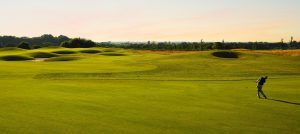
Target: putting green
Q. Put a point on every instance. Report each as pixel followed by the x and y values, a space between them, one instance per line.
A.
pixel 149 92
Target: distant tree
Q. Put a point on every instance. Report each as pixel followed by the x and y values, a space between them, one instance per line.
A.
pixel 48 38
pixel 217 45
pixel 65 44
pixel 78 43
pixel 292 43
pixel 44 40
pixel 47 44
pixel 24 45
pixel 62 38
pixel 153 45
pixel 254 45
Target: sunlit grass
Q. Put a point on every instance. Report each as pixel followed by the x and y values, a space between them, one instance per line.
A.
pixel 148 92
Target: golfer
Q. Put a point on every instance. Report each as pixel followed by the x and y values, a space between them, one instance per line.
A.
pixel 260 83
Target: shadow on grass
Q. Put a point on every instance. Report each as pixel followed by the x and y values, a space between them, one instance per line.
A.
pixel 283 101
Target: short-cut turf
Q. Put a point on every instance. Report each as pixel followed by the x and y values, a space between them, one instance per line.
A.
pixel 15 58
pixel 43 55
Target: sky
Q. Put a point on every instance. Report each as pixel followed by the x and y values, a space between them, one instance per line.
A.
pixel 155 20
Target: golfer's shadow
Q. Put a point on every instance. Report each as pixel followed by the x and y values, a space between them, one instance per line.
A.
pixel 283 101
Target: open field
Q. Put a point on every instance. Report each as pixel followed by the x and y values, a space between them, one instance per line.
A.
pixel 99 90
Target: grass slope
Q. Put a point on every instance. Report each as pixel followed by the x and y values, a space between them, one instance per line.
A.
pixel 15 58
pixel 90 51
pixel 43 55
pixel 179 93
pixel 65 58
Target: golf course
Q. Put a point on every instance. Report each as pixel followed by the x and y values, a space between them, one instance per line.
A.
pixel 118 91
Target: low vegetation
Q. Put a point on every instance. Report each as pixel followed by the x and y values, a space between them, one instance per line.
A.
pixel 10 49
pixel 65 58
pixel 114 54
pixel 43 55
pixel 16 58
pixel 90 51
pixel 281 52
pixel 36 47
pixel 226 54
pixel 24 45
pixel 64 52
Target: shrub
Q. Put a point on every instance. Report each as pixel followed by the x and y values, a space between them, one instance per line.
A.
pixel 36 47
pixel 64 52
pixel 24 45
pixel 78 43
pixel 90 51
pixel 16 58
pixel 226 54
pixel 43 55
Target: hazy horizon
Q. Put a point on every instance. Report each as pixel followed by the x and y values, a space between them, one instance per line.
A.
pixel 143 20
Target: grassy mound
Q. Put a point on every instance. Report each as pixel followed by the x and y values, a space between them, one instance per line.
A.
pixel 226 54
pixel 43 55
pixel 90 51
pixel 11 49
pixel 52 47
pixel 62 59
pixel 16 58
pixel 64 52
pixel 109 50
pixel 114 54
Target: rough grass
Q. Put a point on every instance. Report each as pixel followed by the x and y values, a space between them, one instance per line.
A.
pixel 282 52
pixel 62 59
pixel 226 54
pixel 43 55
pixel 64 52
pixel 16 58
pixel 90 51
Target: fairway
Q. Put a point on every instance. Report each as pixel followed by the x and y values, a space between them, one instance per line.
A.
pixel 118 91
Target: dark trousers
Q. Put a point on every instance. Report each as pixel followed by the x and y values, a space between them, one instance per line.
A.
pixel 260 91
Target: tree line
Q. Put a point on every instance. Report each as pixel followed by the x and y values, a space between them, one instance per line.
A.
pixel 202 46
pixel 42 41
pixel 47 40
